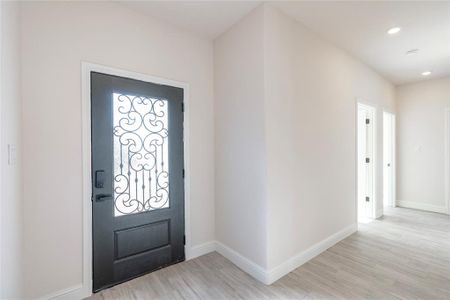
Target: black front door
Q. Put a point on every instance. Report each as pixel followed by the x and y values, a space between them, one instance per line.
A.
pixel 137 178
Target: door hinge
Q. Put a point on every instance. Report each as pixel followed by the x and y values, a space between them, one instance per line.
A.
pixel 367 199
pixel 367 160
pixel 367 121
pixel 183 173
pixel 184 239
pixel 182 106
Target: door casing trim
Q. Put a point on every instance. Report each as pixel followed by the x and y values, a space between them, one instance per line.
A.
pixel 86 69
pixel 447 160
pixel 360 103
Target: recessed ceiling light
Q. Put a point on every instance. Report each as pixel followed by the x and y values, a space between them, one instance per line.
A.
pixel 394 30
pixel 412 51
pixel 426 73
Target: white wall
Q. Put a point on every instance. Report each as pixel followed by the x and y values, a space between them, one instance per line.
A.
pixel 421 144
pixel 240 141
pixel 311 87
pixel 279 70
pixel 56 37
pixel 10 196
pixel 283 171
pixel 287 156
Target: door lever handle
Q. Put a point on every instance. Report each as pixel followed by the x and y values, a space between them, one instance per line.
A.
pixel 102 197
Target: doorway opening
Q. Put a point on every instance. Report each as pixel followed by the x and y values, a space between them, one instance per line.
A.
pixel 366 143
pixel 389 160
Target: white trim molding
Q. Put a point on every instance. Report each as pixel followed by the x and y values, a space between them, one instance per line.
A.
pixel 304 256
pixel 447 160
pixel 72 293
pixel 373 110
pixel 270 276
pixel 199 250
pixel 423 206
pixel 380 212
pixel 243 262
pixel 2 206
pixel 85 289
pixel 261 274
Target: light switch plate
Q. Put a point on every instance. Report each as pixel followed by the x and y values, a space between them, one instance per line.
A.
pixel 12 156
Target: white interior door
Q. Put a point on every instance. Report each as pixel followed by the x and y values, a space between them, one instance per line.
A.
pixel 366 162
pixel 388 159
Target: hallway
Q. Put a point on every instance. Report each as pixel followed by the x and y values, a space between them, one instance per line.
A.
pixel 404 255
pixel 154 149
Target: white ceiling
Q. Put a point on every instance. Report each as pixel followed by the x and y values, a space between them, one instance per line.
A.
pixel 358 27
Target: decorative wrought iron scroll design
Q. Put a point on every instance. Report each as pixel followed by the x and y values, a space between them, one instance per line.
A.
pixel 141 166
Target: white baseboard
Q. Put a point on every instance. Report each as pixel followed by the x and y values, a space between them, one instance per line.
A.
pixel 270 276
pixel 79 292
pixel 304 256
pixel 265 276
pixel 200 250
pixel 72 293
pixel 379 213
pixel 423 206
pixel 242 262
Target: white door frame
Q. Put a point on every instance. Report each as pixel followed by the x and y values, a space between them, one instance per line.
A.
pixel 1 144
pixel 393 167
pixel 447 160
pixel 86 69
pixel 373 112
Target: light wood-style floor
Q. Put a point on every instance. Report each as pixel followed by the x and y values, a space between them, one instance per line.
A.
pixel 404 255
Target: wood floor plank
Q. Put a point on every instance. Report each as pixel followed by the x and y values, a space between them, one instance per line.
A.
pixel 404 255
